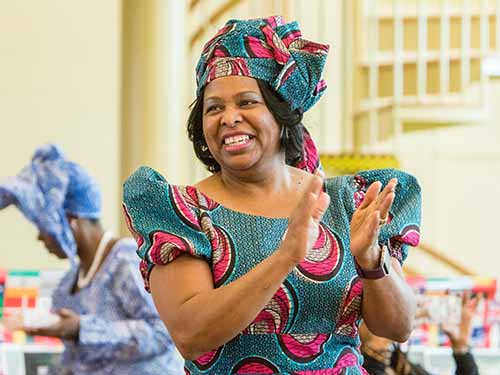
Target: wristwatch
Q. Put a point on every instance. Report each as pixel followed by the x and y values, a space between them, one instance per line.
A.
pixel 381 271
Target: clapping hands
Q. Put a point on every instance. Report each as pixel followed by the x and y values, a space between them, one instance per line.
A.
pixel 303 223
pixel 367 221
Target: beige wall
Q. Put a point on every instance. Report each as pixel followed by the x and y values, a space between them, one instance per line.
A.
pixel 59 82
pixel 459 170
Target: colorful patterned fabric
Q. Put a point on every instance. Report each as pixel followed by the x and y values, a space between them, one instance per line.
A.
pixel 275 52
pixel 50 188
pixel 310 325
pixel 120 330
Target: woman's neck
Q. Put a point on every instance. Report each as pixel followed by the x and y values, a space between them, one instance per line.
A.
pixel 250 184
pixel 87 246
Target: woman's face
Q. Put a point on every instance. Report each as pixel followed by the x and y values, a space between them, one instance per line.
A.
pixel 240 131
pixel 51 245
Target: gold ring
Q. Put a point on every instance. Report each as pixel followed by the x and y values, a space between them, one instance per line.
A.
pixel 382 221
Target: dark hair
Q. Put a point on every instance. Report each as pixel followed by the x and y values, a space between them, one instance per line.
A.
pixel 290 123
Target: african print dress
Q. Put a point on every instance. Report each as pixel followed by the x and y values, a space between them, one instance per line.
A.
pixel 310 324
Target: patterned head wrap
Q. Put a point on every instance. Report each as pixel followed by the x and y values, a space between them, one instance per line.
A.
pixel 275 52
pixel 50 188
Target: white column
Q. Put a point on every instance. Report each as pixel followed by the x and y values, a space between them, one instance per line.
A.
pixel 444 74
pixel 466 54
pixel 331 106
pixel 153 91
pixel 373 71
pixel 422 50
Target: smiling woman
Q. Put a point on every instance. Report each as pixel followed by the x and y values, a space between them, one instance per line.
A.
pixel 263 267
pixel 289 122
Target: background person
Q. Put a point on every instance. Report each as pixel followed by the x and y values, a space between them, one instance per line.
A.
pixel 107 321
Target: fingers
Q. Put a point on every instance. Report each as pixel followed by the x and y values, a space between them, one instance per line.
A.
pixel 449 331
pixel 315 202
pixel 386 205
pixel 65 313
pixel 371 194
pixel 307 204
pixel 321 206
pixel 319 173
pixel 380 200
pixel 31 331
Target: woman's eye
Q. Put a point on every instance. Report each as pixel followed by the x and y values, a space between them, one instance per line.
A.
pixel 247 102
pixel 212 108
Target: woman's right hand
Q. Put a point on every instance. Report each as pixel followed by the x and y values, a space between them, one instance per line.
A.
pixel 303 223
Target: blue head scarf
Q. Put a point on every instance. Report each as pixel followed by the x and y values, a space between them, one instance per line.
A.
pixel 50 188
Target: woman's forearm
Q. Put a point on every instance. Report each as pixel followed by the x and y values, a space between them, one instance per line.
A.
pixel 389 305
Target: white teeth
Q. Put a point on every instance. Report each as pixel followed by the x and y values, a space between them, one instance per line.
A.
pixel 236 140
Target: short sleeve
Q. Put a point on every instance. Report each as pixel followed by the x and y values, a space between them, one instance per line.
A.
pixel 403 227
pixel 165 220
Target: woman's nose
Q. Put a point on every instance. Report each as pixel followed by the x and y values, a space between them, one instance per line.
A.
pixel 231 117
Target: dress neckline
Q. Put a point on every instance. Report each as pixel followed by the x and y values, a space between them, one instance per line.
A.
pixel 219 205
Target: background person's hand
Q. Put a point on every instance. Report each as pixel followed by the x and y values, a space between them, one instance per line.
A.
pixel 303 223
pixel 13 322
pixel 366 223
pixel 67 328
pixel 460 335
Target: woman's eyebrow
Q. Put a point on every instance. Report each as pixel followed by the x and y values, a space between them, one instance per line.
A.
pixel 237 95
pixel 247 93
pixel 212 99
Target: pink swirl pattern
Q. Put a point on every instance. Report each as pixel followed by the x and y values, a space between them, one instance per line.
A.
pixel 254 365
pixel 410 235
pixel 227 66
pixel 212 44
pixel 279 313
pixel 165 247
pixel 223 256
pixel 181 207
pixel 346 359
pixel 311 161
pixel 359 194
pixel 196 198
pixel 207 360
pixel 305 347
pixel 351 309
pixel 128 220
pixel 145 270
pixel 323 261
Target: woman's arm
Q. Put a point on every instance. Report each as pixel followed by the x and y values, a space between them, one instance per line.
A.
pixel 388 303
pixel 199 317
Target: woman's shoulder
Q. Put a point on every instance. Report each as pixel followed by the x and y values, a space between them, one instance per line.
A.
pixel 142 180
pixel 148 185
pixel 362 179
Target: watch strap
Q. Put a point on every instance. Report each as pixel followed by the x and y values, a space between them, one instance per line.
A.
pixel 381 271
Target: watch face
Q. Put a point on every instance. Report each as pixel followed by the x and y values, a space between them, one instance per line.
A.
pixel 382 270
pixel 386 260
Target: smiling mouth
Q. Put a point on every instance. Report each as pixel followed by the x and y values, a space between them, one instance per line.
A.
pixel 236 140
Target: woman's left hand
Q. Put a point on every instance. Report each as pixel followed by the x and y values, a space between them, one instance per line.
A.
pixel 367 221
pixel 67 328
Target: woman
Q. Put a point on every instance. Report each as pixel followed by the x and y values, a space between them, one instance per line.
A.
pixel 252 269
pixel 106 320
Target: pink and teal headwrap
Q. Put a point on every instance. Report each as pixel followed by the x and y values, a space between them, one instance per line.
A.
pixel 275 52
pixel 48 189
